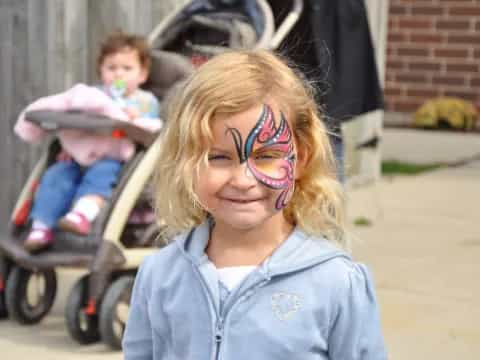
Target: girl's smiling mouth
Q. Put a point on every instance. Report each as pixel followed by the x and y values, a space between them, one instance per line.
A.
pixel 241 200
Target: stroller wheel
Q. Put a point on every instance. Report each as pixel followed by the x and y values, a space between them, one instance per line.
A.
pixel 29 295
pixel 82 327
pixel 114 311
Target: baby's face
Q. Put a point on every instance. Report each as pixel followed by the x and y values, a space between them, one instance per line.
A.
pixel 250 174
pixel 123 66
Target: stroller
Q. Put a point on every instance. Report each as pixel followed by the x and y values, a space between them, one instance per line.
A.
pixel 97 305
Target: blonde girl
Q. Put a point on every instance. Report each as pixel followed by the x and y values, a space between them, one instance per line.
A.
pixel 246 179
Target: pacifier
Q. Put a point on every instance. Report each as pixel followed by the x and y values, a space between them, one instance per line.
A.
pixel 118 89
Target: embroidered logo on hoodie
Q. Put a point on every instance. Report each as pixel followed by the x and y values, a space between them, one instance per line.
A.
pixel 284 305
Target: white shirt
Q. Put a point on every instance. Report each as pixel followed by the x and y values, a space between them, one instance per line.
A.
pixel 233 275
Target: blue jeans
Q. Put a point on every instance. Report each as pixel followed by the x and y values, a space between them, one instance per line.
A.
pixel 66 181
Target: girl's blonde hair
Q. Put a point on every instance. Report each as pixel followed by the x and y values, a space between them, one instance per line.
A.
pixel 228 84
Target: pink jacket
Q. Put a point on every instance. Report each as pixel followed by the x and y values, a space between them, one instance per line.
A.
pixel 84 147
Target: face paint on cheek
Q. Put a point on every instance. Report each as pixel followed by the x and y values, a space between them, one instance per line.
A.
pixel 275 148
pixel 248 173
pixel 284 182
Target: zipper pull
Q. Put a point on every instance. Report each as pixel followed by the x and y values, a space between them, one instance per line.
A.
pixel 219 331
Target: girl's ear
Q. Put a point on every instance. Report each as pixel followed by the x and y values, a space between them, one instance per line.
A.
pixel 302 160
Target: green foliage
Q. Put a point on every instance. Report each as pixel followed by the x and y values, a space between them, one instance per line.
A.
pixel 446 113
pixel 393 167
pixel 362 221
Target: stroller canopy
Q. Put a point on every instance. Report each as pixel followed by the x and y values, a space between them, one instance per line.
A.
pixel 208 27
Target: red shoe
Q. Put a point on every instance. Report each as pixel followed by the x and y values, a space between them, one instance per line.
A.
pixel 38 239
pixel 75 222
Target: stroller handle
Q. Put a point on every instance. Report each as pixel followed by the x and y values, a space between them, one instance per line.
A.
pixel 264 41
pixel 270 39
pixel 287 24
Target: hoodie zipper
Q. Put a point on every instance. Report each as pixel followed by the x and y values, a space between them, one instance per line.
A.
pixel 218 337
pixel 227 310
pixel 220 320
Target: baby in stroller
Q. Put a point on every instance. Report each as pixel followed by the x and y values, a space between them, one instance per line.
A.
pixel 73 190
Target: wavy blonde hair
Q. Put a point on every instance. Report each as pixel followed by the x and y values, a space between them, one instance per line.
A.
pixel 228 84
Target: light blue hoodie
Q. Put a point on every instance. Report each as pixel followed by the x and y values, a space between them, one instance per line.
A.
pixel 307 301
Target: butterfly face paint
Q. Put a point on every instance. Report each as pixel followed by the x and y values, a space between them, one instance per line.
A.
pixel 269 154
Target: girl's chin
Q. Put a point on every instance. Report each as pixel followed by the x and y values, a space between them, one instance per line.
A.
pixel 244 222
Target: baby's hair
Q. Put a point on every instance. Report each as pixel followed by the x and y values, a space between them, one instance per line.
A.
pixel 228 84
pixel 118 41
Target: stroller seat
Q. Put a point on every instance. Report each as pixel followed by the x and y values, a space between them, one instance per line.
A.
pixel 167 68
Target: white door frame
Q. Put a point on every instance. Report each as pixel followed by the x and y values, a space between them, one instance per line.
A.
pixel 364 166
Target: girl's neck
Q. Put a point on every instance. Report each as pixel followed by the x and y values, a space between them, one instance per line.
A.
pixel 236 247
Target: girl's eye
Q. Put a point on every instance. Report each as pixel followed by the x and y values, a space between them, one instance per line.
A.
pixel 264 157
pixel 127 68
pixel 271 155
pixel 217 157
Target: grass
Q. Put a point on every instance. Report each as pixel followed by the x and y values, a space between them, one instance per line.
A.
pixel 362 221
pixel 393 167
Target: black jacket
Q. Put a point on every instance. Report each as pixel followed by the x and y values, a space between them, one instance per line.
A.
pixel 331 43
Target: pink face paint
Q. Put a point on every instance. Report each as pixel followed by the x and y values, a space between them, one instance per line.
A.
pixel 269 154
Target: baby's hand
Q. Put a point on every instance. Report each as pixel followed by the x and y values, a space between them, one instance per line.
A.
pixel 64 156
pixel 132 113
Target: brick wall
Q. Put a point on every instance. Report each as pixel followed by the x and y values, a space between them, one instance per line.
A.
pixel 433 49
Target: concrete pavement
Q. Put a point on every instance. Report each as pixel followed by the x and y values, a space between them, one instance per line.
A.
pixel 423 247
pixel 49 339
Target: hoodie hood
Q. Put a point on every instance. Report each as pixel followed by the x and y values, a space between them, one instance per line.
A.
pixel 297 252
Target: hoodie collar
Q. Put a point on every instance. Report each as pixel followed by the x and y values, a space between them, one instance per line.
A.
pixel 298 251
pixel 195 242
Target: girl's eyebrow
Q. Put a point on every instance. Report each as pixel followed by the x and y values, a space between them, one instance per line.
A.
pixel 219 150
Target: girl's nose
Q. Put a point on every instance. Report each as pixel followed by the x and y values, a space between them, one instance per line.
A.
pixel 242 177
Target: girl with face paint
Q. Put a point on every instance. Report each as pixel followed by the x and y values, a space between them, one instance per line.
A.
pixel 258 267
